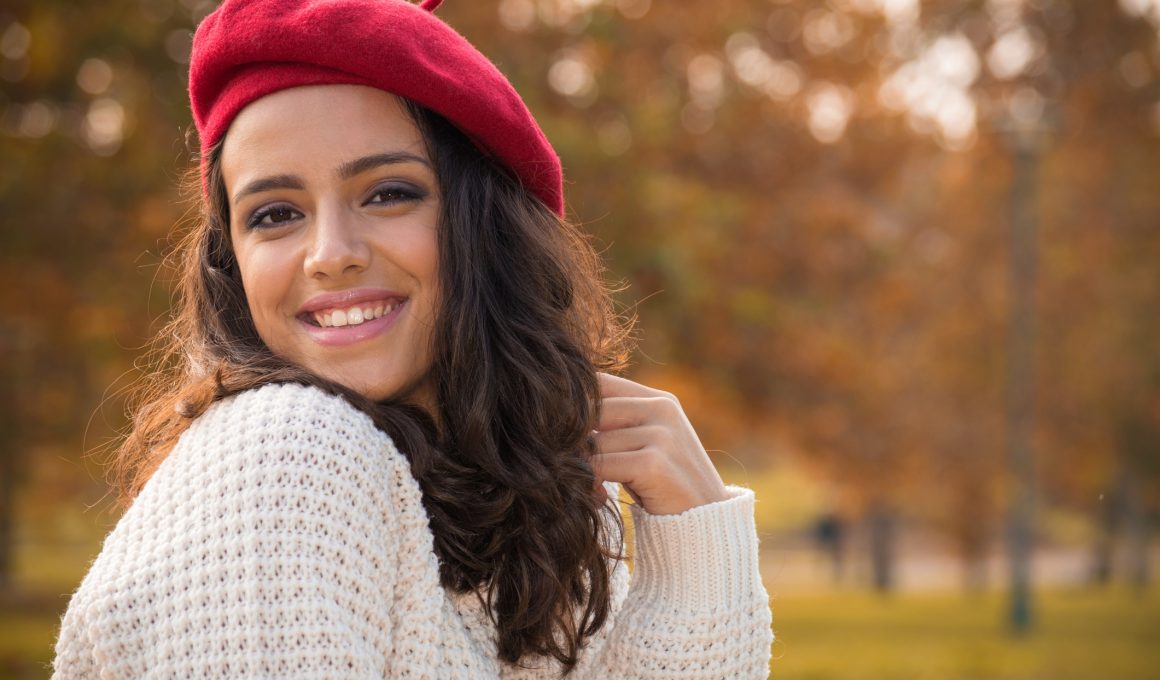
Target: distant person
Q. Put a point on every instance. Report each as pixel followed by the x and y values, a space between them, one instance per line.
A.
pixel 829 535
pixel 386 439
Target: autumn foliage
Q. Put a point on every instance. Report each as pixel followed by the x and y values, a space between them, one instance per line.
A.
pixel 811 205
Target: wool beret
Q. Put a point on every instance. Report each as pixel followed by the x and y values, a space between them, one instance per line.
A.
pixel 247 49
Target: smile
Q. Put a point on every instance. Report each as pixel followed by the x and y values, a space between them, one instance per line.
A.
pixel 355 314
pixel 338 327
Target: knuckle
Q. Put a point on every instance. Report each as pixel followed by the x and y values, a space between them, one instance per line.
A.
pixel 668 404
pixel 655 403
pixel 660 435
pixel 652 461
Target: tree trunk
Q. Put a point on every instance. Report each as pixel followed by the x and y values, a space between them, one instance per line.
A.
pixel 7 506
pixel 1135 532
pixel 1103 545
pixel 1020 376
pixel 9 447
pixel 882 538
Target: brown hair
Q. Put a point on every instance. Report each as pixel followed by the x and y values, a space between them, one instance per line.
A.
pixel 524 324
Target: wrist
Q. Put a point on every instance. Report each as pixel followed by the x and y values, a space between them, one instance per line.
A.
pixel 702 558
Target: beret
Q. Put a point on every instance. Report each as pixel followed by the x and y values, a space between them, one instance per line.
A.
pixel 246 49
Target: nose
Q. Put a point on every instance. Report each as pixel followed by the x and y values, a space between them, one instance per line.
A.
pixel 337 247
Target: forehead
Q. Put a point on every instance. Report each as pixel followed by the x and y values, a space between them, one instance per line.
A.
pixel 316 127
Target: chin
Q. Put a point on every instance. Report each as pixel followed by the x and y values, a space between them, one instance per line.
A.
pixel 414 392
pixel 373 390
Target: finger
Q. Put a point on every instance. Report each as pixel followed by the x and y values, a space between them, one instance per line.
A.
pixel 625 468
pixel 610 490
pixel 625 439
pixel 616 386
pixel 618 412
pixel 622 466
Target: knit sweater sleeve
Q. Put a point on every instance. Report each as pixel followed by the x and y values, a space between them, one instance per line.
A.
pixel 262 547
pixel 696 606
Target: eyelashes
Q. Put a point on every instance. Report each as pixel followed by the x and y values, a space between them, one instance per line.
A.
pixel 396 193
pixel 277 214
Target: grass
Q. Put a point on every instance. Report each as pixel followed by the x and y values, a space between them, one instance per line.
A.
pixel 1080 634
pixel 26 642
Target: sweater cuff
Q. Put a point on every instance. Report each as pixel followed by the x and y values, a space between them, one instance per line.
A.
pixel 702 559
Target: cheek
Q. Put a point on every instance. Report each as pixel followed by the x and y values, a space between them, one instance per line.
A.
pixel 430 271
pixel 267 278
pixel 431 297
pixel 426 260
pixel 414 253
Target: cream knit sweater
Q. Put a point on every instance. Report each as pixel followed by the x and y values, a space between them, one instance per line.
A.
pixel 284 536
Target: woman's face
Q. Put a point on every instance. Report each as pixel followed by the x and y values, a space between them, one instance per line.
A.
pixel 333 211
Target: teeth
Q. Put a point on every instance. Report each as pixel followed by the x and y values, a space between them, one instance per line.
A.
pixel 352 316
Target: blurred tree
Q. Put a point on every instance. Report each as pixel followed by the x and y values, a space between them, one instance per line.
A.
pixel 818 195
pixel 91 115
pixel 808 200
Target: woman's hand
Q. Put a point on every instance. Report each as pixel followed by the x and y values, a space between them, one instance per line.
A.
pixel 645 442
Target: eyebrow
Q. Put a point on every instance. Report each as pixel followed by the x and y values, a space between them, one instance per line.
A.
pixel 347 170
pixel 360 165
pixel 268 183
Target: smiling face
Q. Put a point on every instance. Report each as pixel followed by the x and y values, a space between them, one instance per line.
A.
pixel 333 211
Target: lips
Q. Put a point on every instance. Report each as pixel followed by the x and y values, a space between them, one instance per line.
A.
pixel 346 299
pixel 354 315
pixel 351 316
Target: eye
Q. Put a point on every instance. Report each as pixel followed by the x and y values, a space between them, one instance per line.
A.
pixel 392 194
pixel 271 216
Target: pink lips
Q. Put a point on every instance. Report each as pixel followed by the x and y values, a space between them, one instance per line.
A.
pixel 338 336
pixel 347 298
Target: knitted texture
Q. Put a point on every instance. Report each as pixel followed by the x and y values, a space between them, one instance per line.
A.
pixel 284 537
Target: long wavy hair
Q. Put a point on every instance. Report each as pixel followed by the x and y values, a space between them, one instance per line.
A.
pixel 524 324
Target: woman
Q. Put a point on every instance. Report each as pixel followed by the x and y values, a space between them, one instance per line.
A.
pixel 385 447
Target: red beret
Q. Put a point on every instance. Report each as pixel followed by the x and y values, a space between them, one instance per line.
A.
pixel 247 49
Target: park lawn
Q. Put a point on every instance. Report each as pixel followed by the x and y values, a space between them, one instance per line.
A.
pixel 1080 634
pixel 26 643
pixel 45 576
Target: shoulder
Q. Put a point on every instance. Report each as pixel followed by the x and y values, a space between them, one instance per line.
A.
pixel 284 414
pixel 281 515
pixel 287 409
pixel 278 457
pixel 286 434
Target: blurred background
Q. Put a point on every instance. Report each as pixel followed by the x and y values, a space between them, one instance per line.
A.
pixel 899 259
